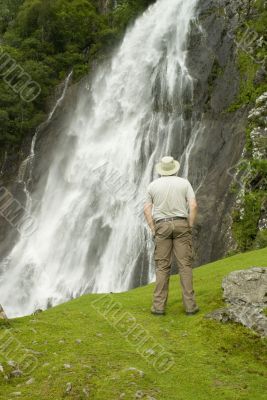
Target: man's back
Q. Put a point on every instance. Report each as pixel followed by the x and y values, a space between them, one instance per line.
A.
pixel 174 207
pixel 170 196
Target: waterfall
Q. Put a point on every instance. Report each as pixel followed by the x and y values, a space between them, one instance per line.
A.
pixel 26 164
pixel 90 233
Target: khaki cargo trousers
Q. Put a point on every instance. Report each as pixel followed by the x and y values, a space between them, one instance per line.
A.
pixel 173 238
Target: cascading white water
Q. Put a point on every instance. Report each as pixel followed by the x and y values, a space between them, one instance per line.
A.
pixel 90 234
pixel 27 164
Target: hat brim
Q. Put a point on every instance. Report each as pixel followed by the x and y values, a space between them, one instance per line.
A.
pixel 161 171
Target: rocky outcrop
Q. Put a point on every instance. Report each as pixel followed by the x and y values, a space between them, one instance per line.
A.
pixel 212 61
pixel 258 137
pixel 2 313
pixel 258 134
pixel 246 286
pixel 251 180
pixel 246 293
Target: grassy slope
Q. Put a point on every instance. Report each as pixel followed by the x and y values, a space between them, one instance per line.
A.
pixel 212 360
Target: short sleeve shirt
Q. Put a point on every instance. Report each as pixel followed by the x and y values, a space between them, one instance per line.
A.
pixel 170 196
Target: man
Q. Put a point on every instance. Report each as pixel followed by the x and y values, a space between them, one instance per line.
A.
pixel 174 207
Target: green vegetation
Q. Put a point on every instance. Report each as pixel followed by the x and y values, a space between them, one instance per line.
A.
pixel 212 360
pixel 48 39
pixel 251 55
pixel 249 90
pixel 247 214
pixel 245 221
pixel 252 62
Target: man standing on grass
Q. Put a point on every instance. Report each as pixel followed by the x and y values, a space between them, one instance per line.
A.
pixel 170 210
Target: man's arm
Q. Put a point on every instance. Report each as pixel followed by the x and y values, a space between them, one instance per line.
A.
pixel 149 217
pixel 192 211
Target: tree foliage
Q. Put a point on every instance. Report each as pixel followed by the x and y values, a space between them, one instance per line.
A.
pixel 47 39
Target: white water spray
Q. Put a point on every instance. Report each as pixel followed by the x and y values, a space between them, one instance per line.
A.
pixel 90 235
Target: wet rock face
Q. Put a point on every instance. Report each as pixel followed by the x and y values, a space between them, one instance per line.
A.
pixel 246 293
pixel 211 62
pixel 2 313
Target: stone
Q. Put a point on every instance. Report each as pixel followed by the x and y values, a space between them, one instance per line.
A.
pixel 15 394
pixel 246 286
pixel 246 293
pixel 260 75
pixel 141 373
pixel 46 364
pixel 67 366
pixel 1 368
pixel 38 311
pixel 16 373
pixel 139 394
pixel 78 341
pixel 150 351
pixel 30 381
pixel 2 313
pixel 86 392
pixel 68 387
pixel 12 363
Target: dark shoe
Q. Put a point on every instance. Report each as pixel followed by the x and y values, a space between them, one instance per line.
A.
pixel 193 312
pixel 157 312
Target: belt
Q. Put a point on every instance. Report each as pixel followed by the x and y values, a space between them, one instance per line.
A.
pixel 169 219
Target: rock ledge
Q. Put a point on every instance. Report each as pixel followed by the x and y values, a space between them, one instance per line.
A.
pixel 246 293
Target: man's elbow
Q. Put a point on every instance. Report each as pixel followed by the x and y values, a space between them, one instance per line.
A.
pixel 193 205
pixel 147 208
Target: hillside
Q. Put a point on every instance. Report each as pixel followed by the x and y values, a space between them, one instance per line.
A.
pixel 74 347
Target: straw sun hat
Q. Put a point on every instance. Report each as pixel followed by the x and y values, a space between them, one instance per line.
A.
pixel 167 166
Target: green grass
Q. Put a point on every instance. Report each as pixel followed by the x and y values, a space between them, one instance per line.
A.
pixel 211 360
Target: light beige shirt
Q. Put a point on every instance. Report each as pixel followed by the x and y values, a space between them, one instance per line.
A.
pixel 169 196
